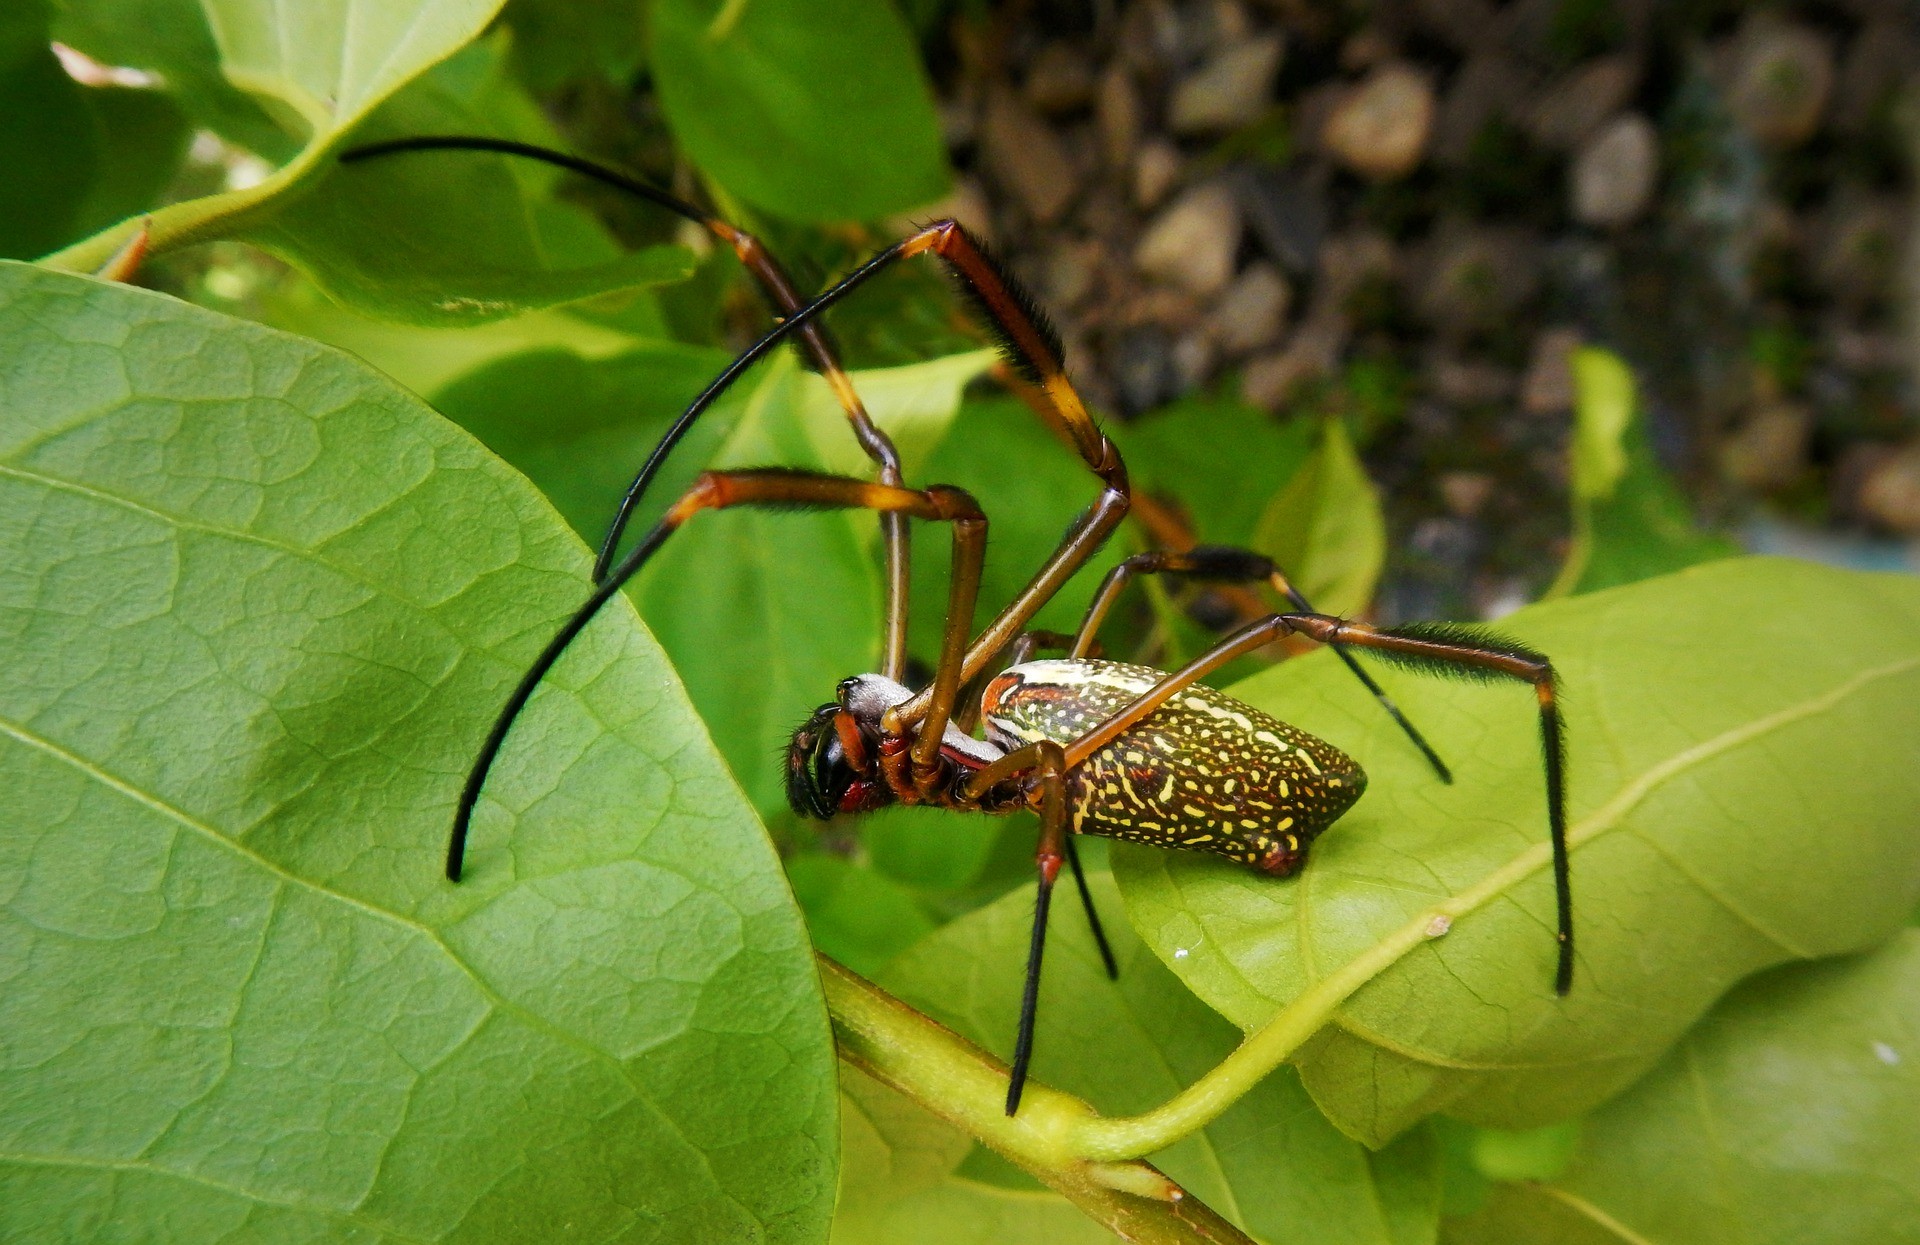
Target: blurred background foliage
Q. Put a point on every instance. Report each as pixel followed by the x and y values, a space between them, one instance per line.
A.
pixel 1448 305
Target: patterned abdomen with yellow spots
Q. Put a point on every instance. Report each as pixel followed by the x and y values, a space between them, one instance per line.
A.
pixel 1203 772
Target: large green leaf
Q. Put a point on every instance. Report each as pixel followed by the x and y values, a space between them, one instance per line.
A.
pixel 579 428
pixel 909 1176
pixel 77 158
pixel 762 612
pixel 1740 790
pixel 434 239
pixel 1272 1162
pixel 257 609
pixel 1325 527
pixel 173 39
pixel 1630 521
pixel 1791 1115
pixel 455 237
pixel 810 109
pixel 1219 462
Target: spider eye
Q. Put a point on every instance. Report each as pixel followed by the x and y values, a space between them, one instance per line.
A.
pixel 817 770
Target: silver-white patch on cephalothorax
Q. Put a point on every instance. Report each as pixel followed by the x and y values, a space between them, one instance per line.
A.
pixel 1202 771
pixel 868 697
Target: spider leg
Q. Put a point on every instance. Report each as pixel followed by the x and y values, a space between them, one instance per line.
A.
pixel 1432 648
pixel 767 487
pixel 1229 565
pixel 1042 767
pixel 784 299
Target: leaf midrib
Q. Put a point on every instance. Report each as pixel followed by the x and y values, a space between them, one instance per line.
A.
pixel 1610 815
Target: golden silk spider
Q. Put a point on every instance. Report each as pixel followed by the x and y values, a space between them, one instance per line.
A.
pixel 1094 747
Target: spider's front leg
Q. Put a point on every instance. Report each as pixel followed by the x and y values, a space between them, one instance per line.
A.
pixel 1041 770
pixel 775 488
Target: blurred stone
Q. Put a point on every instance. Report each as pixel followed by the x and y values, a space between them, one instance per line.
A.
pixel 1067 273
pixel 1193 360
pixel 1575 106
pixel 1253 312
pixel 1287 213
pixel 1613 176
pixel 1348 261
pixel 1469 382
pixel 1229 91
pixel 1487 88
pixel 1782 76
pixel 1547 388
pixel 1312 352
pixel 1465 493
pixel 1469 25
pixel 1365 48
pixel 1118 115
pixel 1156 169
pixel 1890 492
pixel 1471 276
pixel 1060 79
pixel 1212 26
pixel 1380 129
pixel 1856 247
pixel 967 203
pixel 1143 369
pixel 960 117
pixel 1768 451
pixel 1875 64
pixel 1193 242
pixel 1025 156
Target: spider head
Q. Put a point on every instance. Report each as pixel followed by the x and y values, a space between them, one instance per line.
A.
pixel 824 776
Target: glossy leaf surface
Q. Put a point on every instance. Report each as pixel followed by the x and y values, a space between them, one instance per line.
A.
pixel 1740 795
pixel 808 109
pixel 1325 528
pixel 1790 1114
pixel 1272 1163
pixel 455 237
pixel 258 607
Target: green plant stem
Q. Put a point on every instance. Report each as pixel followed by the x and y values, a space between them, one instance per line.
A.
pixel 950 1076
pixel 195 220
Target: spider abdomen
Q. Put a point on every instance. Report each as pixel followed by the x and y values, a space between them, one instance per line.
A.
pixel 1203 772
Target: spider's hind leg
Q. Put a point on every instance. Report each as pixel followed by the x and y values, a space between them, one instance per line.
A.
pixel 1223 564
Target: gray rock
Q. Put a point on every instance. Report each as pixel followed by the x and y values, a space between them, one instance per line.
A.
pixel 1488 87
pixel 1313 351
pixel 1252 314
pixel 1547 387
pixel 1286 212
pixel 1059 79
pixel 1142 365
pixel 1380 129
pixel 1472 276
pixel 1230 90
pixel 1025 157
pixel 1782 76
pixel 1118 113
pixel 1769 450
pixel 1192 243
pixel 1469 382
pixel 1569 113
pixel 1890 492
pixel 1613 175
pixel 1156 169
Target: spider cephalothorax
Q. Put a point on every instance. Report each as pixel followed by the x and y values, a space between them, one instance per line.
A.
pixel 1092 747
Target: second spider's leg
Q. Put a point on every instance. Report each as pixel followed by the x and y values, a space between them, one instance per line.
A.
pixel 1093 914
pixel 1443 649
pixel 784 299
pixel 1244 566
pixel 767 487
